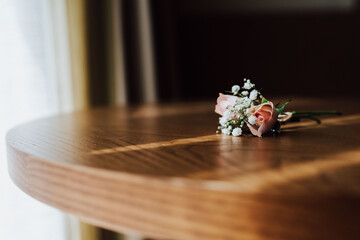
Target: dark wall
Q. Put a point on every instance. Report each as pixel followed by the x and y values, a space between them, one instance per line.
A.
pixel 288 53
pixel 202 49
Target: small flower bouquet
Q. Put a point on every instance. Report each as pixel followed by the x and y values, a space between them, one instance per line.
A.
pixel 246 109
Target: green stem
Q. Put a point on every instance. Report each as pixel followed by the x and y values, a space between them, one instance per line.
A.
pixel 299 113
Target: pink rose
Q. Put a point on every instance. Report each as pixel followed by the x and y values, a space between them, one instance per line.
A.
pixel 224 101
pixel 266 118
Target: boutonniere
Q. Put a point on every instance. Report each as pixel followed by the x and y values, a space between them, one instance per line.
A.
pixel 244 109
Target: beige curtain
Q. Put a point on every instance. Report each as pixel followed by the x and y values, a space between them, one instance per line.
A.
pixel 71 24
pixel 71 56
pixel 78 52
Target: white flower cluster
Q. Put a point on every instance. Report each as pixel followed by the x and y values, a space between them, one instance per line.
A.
pixel 236 116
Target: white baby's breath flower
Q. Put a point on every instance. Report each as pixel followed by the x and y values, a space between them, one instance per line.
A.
pixel 227 114
pixel 237 132
pixel 245 93
pixel 253 94
pixel 235 89
pixel 238 107
pixel 252 120
pixel 223 121
pixel 226 131
pixel 247 85
pixel 246 102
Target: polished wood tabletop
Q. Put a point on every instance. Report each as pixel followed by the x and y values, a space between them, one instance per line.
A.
pixel 163 172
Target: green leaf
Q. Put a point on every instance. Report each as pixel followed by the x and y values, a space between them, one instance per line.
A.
pixel 263 100
pixel 280 108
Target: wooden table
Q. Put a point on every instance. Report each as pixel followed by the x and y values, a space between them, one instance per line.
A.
pixel 161 171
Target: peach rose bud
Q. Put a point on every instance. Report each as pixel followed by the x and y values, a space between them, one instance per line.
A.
pixel 266 115
pixel 224 101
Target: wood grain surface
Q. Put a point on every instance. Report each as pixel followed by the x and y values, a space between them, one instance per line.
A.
pixel 161 171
